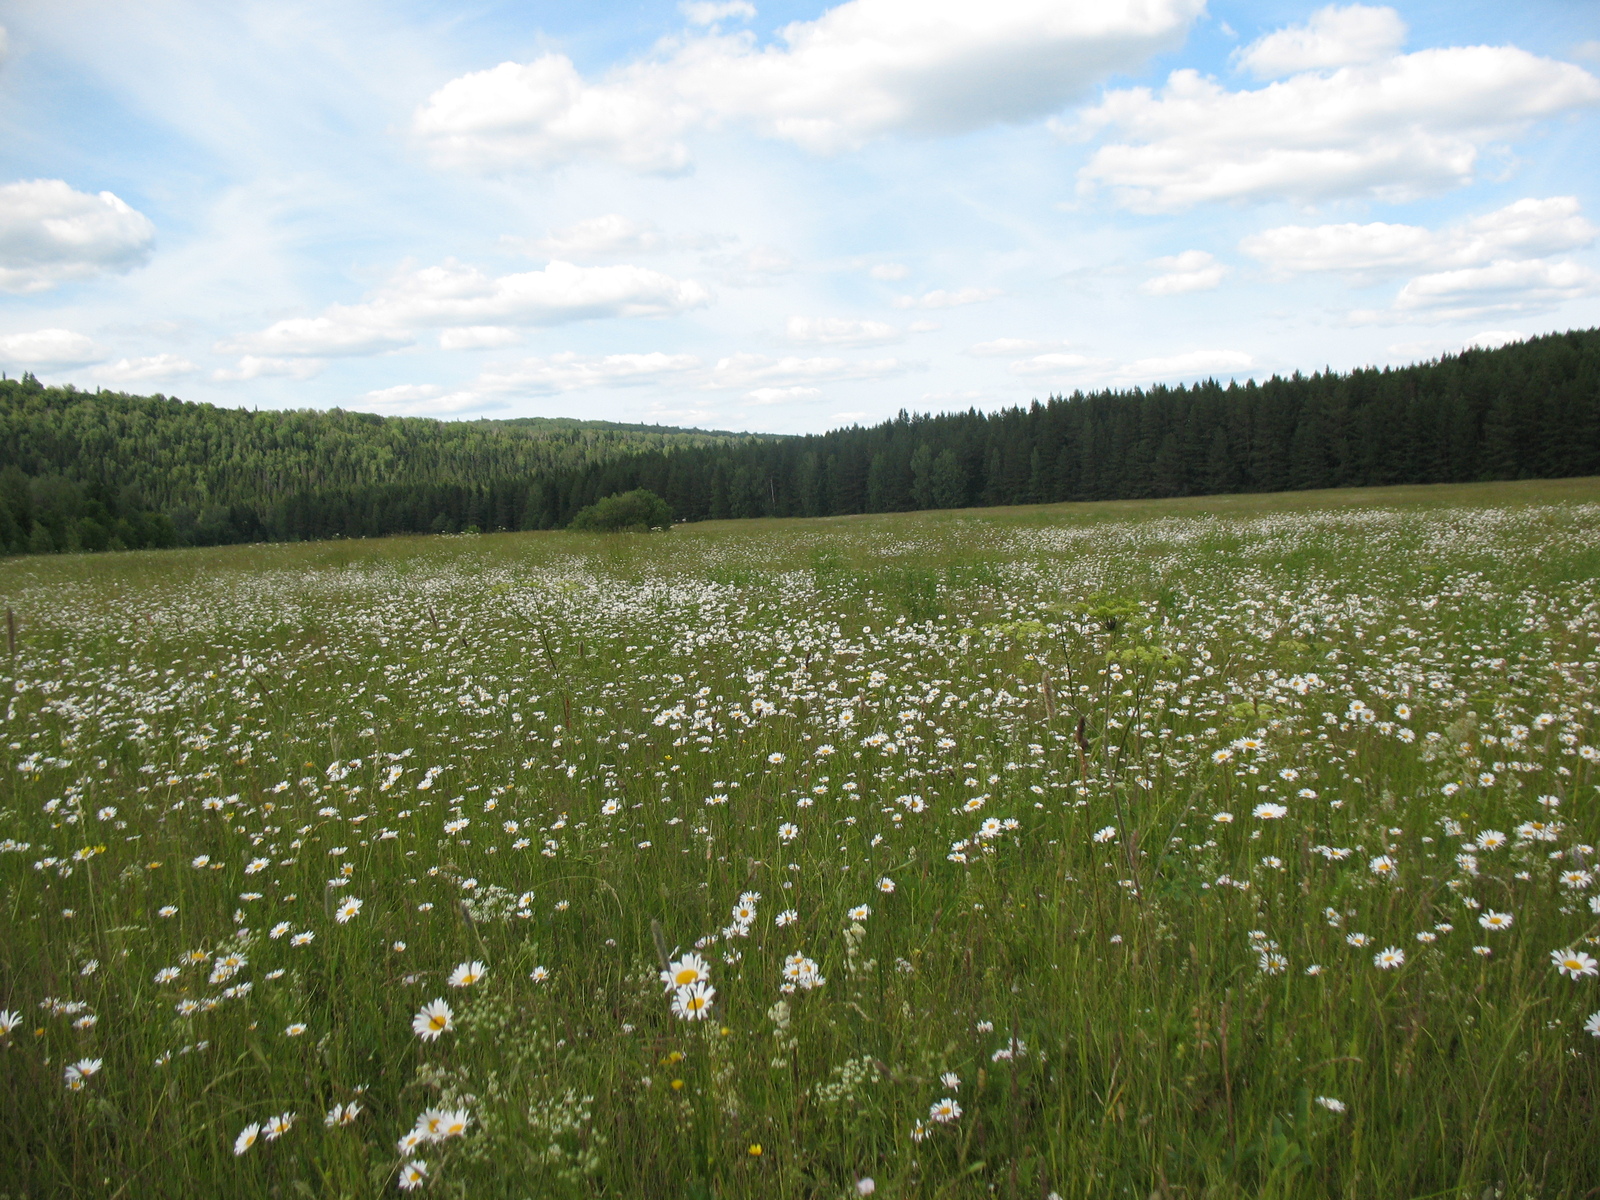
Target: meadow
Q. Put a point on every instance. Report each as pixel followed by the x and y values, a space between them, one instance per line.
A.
pixel 1239 847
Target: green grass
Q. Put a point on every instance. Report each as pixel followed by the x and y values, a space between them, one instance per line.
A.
pixel 1399 669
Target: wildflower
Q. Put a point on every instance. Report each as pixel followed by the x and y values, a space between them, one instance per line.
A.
pixel 918 1131
pixel 1358 939
pixel 166 974
pixel 787 917
pixel 788 831
pixel 78 1073
pixel 1389 958
pixel 865 1186
pixel 1382 866
pixel 434 1018
pixel 539 974
pixel 686 971
pixel 413 1174
pixel 1222 818
pixel 755 1150
pixel 1592 1025
pixel 1574 963
pixel 275 1127
pixel 247 1138
pixel 944 1111
pixel 1491 839
pixel 775 757
pixel 1332 1105
pixel 1106 834
pixel 1269 812
pixel 9 1020
pixel 342 1114
pixel 466 974
pixel 951 1080
pixel 886 885
pixel 1482 951
pixel 693 1003
pixel 294 1030
pixel 302 939
pixel 348 909
pixel 278 930
pixel 1495 922
pixel 167 910
pixel 1273 963
pixel 860 913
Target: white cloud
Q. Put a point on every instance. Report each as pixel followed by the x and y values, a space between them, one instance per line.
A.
pixel 1054 364
pixel 1191 271
pixel 50 234
pixel 778 395
pixel 144 370
pixel 48 348
pixel 861 70
pixel 424 400
pixel 889 271
pixel 841 331
pixel 1006 347
pixel 756 370
pixel 5 44
pixel 1333 37
pixel 1403 127
pixel 1194 364
pixel 1504 286
pixel 1530 228
pixel 610 236
pixel 253 366
pixel 478 337
pixel 943 299
pixel 708 12
pixel 574 372
pixel 454 295
pixel 1589 50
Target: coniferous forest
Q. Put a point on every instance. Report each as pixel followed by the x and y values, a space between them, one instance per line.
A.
pixel 82 470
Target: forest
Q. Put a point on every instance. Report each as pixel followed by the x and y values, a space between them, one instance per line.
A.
pixel 88 470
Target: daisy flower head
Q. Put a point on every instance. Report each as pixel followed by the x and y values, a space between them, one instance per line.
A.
pixel 1491 839
pixel 951 1080
pixel 1357 939
pixel 166 974
pixel 1106 834
pixel 539 974
pixel 787 917
pixel 466 974
pixel 1495 922
pixel 1269 812
pixel 302 939
pixel 1389 958
pixel 348 909
pixel 9 1020
pixel 1574 963
pixel 693 1003
pixel 294 1030
pixel 686 971
pixel 945 1111
pixel 1332 1105
pixel 413 1175
pixel 342 1114
pixel 886 885
pixel 860 912
pixel 79 1073
pixel 1222 818
pixel 1592 1025
pixel 247 1138
pixel 433 1019
pixel 1382 866
pixel 274 1128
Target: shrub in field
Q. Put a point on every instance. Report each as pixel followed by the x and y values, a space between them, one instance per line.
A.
pixel 634 512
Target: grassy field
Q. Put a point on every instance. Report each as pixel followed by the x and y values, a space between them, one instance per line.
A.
pixel 1234 847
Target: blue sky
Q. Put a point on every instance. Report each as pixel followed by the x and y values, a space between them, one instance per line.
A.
pixel 781 216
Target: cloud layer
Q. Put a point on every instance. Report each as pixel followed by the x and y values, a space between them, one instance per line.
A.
pixel 51 233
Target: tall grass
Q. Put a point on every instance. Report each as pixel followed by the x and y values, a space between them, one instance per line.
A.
pixel 1094 823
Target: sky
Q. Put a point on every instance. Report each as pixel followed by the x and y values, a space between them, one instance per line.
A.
pixel 781 216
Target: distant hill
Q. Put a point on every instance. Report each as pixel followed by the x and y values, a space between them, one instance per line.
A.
pixel 227 474
pixel 82 470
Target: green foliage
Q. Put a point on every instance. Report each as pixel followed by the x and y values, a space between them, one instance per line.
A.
pixel 638 511
pixel 538 752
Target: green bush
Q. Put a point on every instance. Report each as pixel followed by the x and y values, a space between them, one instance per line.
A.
pixel 636 511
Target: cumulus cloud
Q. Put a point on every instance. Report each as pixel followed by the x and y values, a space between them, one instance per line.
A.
pixel 1505 286
pixel 570 372
pixel 453 295
pixel 861 70
pixel 756 370
pixel 943 299
pixel 1333 37
pixel 1394 129
pixel 145 370
pixel 610 236
pixel 779 395
pixel 889 271
pixel 709 12
pixel 1530 228
pixel 478 337
pixel 51 233
pixel 253 366
pixel 48 348
pixel 1191 271
pixel 841 331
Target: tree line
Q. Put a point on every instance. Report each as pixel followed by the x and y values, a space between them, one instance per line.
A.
pixel 1527 410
